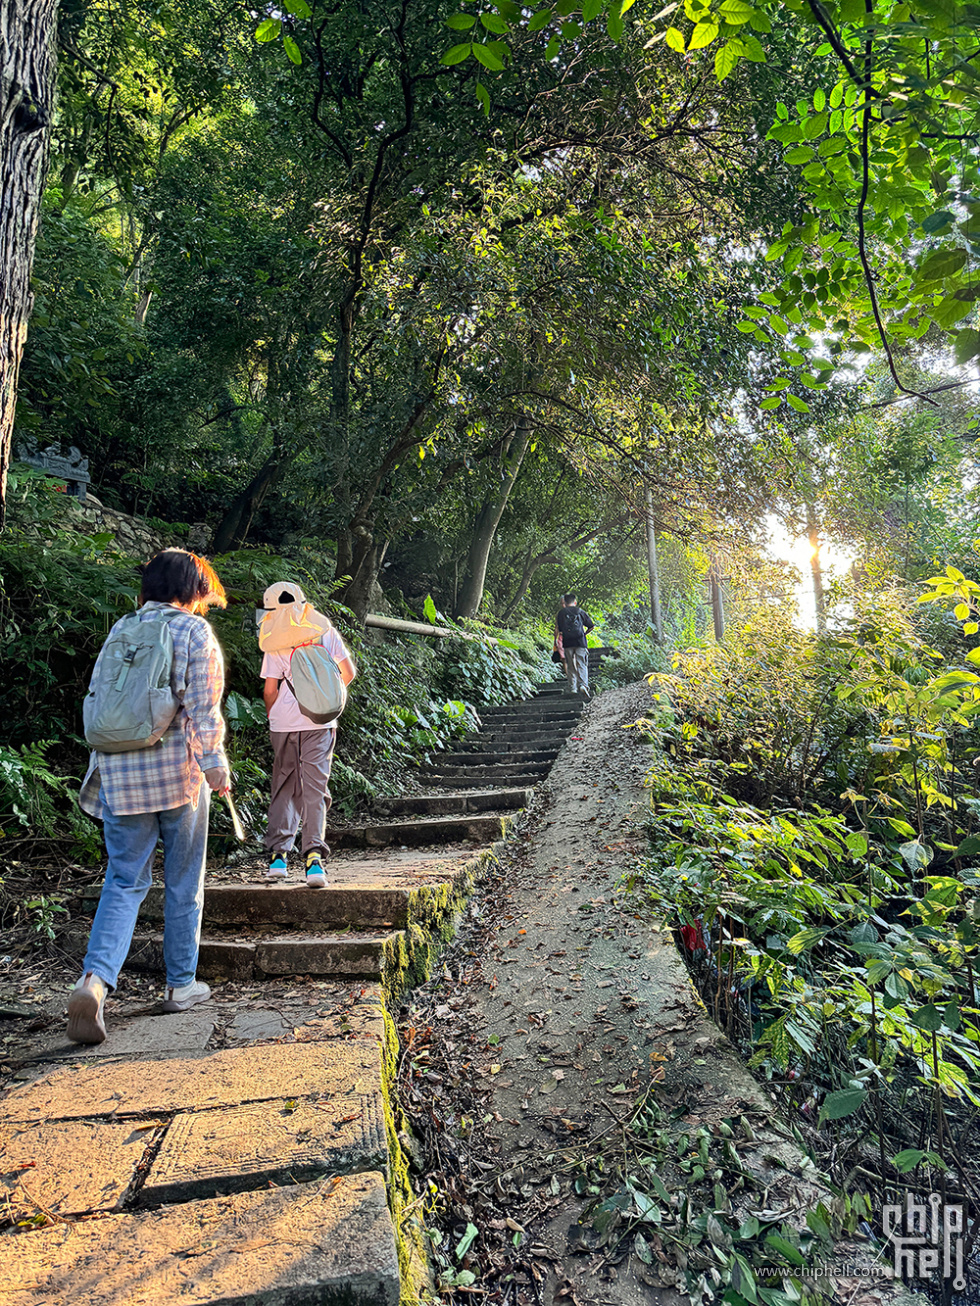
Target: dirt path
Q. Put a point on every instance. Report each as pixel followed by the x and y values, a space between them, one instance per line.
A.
pixel 556 1012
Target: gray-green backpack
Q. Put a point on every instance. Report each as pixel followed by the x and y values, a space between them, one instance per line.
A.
pixel 130 701
pixel 318 686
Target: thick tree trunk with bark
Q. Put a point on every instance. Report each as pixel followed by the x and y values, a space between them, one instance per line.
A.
pixel 487 521
pixel 234 526
pixel 27 85
pixel 359 558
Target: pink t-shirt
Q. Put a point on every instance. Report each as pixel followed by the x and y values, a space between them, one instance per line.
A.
pixel 285 717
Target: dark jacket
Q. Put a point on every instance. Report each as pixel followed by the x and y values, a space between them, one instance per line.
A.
pixel 571 640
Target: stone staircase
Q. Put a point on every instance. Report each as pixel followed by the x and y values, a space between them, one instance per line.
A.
pixel 171 1171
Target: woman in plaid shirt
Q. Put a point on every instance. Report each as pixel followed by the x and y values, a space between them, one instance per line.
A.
pixel 159 794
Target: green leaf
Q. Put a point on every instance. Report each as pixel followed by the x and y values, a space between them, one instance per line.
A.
pixel 494 23
pixel 969 847
pixel 703 35
pixel 483 95
pixel 843 1103
pixel 942 263
pixel 614 25
pixel 795 402
pixel 457 54
pixel 467 1240
pixel 908 1160
pixel 735 11
pixel 785 1248
pixel 929 1018
pixel 966 345
pixel 769 405
pixel 268 30
pixel 591 9
pixel 675 39
pixel 461 22
pixel 937 221
pixel 298 8
pixel 292 50
pixel 915 854
pixel 801 154
pixel 541 19
pixel 487 57
pixel 430 611
pixel 725 61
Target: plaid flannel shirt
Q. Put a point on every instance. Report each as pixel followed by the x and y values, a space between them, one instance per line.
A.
pixel 171 772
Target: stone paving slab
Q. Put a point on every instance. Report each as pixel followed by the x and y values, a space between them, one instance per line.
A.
pixel 322 1244
pixel 203 1080
pixel 336 907
pixel 152 1035
pixel 70 1168
pixel 213 1153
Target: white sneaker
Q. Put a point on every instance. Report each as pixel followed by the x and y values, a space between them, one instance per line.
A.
pixel 85 1020
pixel 189 995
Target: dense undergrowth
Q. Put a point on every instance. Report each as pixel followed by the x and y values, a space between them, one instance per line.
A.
pixel 815 844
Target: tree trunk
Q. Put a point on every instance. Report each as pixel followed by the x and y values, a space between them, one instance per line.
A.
pixel 359 560
pixel 487 521
pixel 27 85
pixel 234 526
pixel 653 569
pixel 531 568
pixel 816 569
pixel 717 603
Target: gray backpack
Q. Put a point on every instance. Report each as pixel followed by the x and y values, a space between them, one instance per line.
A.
pixel 130 701
pixel 318 686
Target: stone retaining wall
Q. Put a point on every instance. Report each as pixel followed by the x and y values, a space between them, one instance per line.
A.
pixel 133 535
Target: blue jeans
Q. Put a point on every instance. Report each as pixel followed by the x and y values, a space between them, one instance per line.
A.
pixel 131 842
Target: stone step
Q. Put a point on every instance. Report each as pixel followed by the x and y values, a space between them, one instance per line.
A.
pixel 352 956
pixel 368 907
pixel 535 709
pixel 485 776
pixel 494 756
pixel 523 772
pixel 318 1244
pixel 531 738
pixel 450 804
pixel 498 741
pixel 480 828
pixel 555 726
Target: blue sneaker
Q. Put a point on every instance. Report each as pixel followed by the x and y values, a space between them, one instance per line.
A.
pixel 278 867
pixel 316 876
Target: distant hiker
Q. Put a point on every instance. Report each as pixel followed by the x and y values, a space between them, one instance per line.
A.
pixel 302 746
pixel 150 778
pixel 572 625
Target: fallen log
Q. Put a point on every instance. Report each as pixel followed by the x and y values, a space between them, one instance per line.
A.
pixel 422 628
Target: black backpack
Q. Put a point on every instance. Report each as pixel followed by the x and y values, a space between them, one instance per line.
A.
pixel 570 623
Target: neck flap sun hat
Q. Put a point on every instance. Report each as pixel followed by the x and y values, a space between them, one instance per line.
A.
pixel 289 620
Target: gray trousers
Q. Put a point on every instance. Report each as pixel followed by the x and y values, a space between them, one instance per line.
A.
pixel 300 774
pixel 577 668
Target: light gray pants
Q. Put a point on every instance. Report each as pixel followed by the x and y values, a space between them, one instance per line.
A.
pixel 300 774
pixel 577 668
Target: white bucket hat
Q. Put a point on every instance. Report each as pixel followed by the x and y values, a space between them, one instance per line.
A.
pixel 274 595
